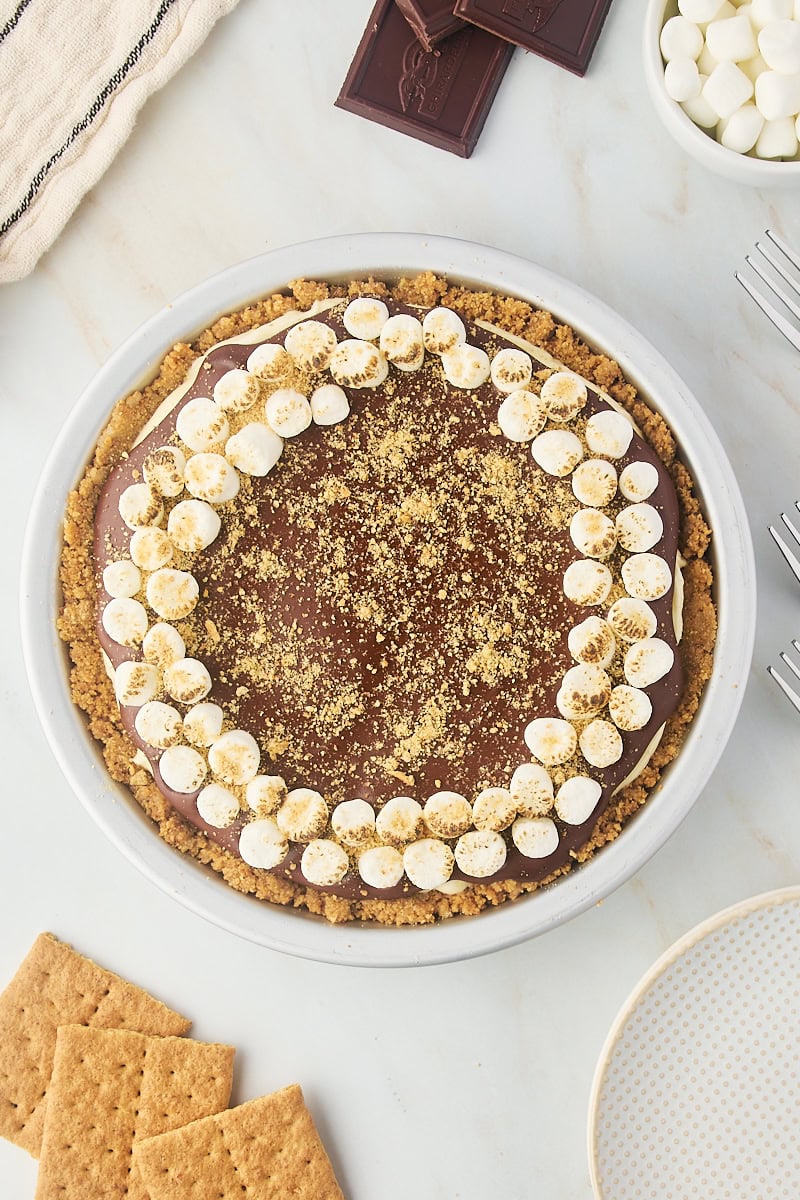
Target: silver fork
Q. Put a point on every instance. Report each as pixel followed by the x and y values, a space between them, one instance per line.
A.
pixel 786 288
pixel 794 567
pixel 787 690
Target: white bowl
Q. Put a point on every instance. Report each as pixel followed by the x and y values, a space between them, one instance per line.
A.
pixel 112 806
pixel 697 142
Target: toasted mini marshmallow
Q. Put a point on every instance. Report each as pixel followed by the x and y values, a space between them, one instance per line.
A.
pixel 353 822
pixel 535 837
pixel 442 330
pixel 638 481
pixel 577 799
pixel 400 820
pixel 600 743
pixel 593 533
pixel 192 525
pixel 182 769
pixel 608 433
pixel 639 527
pixel 531 790
pixel 172 594
pixel 646 576
pixel 365 317
pixel 187 680
pixel 592 642
pixel 648 661
pixel 303 815
pixel 262 845
pixel 594 482
pixel 381 867
pixel 202 724
pixel 125 621
pixel 139 506
pixel 629 708
pixel 121 578
pixel 329 404
pixel 494 809
pixel 632 619
pixel 211 477
pixel 565 395
pixel 587 582
pixel 237 390
pixel 512 369
pixel 447 814
pixel 150 548
pixel 557 451
pixel 288 412
pixel 254 450
pixel 158 724
pixel 265 794
pixel 135 683
pixel 270 362
pixel 217 806
pixel 163 644
pixel 401 341
pixel 324 862
pixel 428 863
pixel 358 364
pixel 466 366
pixel 311 344
pixel 480 853
pixel 551 740
pixel 202 424
pixel 163 469
pixel 522 415
pixel 584 690
pixel 235 756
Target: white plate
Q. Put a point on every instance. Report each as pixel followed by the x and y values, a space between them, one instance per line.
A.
pixel 111 806
pixel 697 1092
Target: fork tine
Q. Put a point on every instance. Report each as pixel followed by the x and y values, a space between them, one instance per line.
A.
pixel 792 560
pixel 793 667
pixel 780 270
pixel 778 320
pixel 794 532
pixel 793 258
pixel 788 691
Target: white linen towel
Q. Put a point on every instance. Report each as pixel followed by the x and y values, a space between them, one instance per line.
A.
pixel 73 77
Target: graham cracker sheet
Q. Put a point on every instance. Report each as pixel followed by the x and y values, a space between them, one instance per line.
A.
pixel 55 985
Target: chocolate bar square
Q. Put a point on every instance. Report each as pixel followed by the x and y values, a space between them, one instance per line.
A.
pixel 441 97
pixel 431 20
pixel 565 31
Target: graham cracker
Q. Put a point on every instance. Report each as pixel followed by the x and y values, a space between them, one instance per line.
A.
pixel 266 1149
pixel 55 985
pixel 111 1087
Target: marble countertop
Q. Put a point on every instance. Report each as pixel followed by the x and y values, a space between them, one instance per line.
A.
pixel 471 1079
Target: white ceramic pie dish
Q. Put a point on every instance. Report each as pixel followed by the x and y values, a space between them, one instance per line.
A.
pixel 113 808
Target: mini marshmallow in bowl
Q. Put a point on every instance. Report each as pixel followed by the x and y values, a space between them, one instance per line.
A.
pixel 725 79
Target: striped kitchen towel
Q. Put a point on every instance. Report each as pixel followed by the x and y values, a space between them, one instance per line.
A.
pixel 73 76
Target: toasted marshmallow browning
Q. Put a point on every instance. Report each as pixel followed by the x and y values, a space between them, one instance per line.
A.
pixel 608 433
pixel 139 506
pixel 480 853
pixel 172 594
pixel 329 404
pixel 187 680
pixel 400 820
pixel 163 644
pixel 531 790
pixel 353 822
pixel 594 482
pixel 254 450
pixel 150 548
pixel 593 533
pixel 494 809
pixel 592 642
pixel 584 690
pixel 235 756
pixel 638 481
pixel 303 815
pixel 236 391
pixel 163 470
pixel 600 743
pixel 522 415
pixel 265 794
pixel 442 330
pixel 217 806
pixel 557 451
pixel 201 424
pixel 648 661
pixel 381 867
pixel 447 814
pixel 551 740
pixel 210 477
pixel 311 344
pixel 359 364
pixel 565 395
pixel 182 769
pixel 288 412
pixel 587 582
pixel 365 317
pixel 262 845
pixel 202 724
pixel 192 525
pixel 402 343
pixel 577 799
pixel 632 619
pixel 270 362
pixel 125 621
pixel 428 863
pixel 512 369
pixel 646 576
pixel 629 708
pixel 466 366
pixel 158 724
pixel 122 579
pixel 135 683
pixel 639 527
pixel 535 837
pixel 324 862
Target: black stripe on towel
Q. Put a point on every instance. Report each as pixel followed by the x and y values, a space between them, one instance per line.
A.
pixel 12 20
pixel 97 106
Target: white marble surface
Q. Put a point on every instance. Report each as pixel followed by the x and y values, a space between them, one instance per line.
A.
pixel 468 1080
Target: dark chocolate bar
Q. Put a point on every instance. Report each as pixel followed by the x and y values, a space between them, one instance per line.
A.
pixel 431 20
pixel 442 97
pixel 565 31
